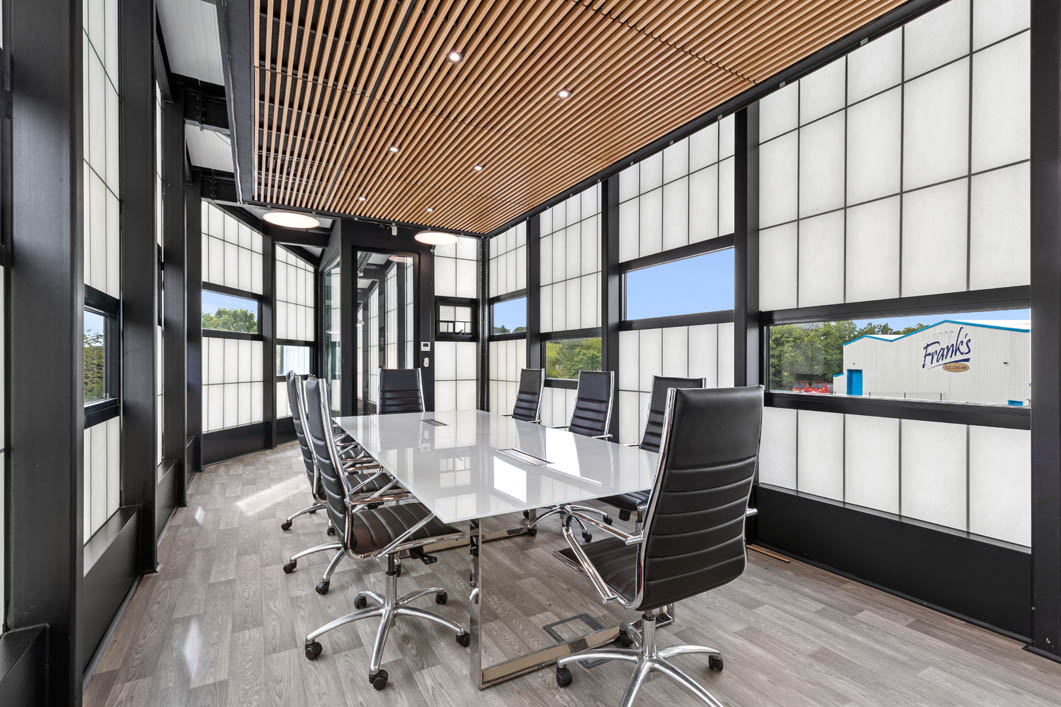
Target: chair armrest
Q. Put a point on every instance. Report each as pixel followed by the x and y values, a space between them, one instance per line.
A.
pixel 562 427
pixel 632 444
pixel 749 512
pixel 607 436
pixel 591 571
pixel 506 414
pixel 404 536
pixel 611 530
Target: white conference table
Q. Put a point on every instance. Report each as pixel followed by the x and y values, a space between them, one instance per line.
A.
pixel 469 465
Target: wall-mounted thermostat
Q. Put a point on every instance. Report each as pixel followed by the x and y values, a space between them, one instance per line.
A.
pixel 425 345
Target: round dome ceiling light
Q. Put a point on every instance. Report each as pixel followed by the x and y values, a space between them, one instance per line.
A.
pixel 435 238
pixel 291 219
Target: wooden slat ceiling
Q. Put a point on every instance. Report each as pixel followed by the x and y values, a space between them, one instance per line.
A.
pixel 340 82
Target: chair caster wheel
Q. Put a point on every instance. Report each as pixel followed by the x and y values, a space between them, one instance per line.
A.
pixel 715 663
pixel 532 531
pixel 586 537
pixel 360 602
pixel 378 680
pixel 563 676
pixel 331 530
pixel 313 650
pixel 441 598
pixel 526 514
pixel 464 639
pixel 290 566
pixel 322 586
pixel 607 520
pixel 624 639
pixel 286 525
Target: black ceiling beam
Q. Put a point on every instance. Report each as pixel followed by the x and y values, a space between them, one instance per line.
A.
pixel 234 30
pixel 205 105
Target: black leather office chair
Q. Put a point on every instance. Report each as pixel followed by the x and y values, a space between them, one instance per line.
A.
pixel 400 390
pixel 631 503
pixel 361 470
pixel 529 395
pixel 378 532
pixel 591 417
pixel 693 539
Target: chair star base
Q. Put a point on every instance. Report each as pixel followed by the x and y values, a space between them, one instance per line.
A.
pixel 647 658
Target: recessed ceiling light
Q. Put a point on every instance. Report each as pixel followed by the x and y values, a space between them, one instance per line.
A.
pixel 360 198
pixel 563 93
pixel 393 148
pixel 435 238
pixel 430 210
pixel 454 56
pixel 478 168
pixel 290 219
pixel 400 259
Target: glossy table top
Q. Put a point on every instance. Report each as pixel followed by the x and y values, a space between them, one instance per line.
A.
pixel 461 464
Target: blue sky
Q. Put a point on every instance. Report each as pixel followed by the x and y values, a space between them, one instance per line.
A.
pixel 903 322
pixel 212 301
pixel 93 323
pixel 511 313
pixel 700 284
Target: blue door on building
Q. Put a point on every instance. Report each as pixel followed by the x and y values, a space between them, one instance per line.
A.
pixel 854 381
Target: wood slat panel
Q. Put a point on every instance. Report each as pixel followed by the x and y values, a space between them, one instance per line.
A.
pixel 338 83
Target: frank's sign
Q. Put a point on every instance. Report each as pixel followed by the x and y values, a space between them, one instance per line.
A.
pixel 952 356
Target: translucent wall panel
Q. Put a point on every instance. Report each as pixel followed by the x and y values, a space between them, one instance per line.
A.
pixel 102 469
pixel 390 331
pixel 232 251
pixel 506 360
pixel 906 467
pixel 704 350
pixel 902 138
pixel 233 383
pixel 678 196
pixel 570 263
pixel 557 406
pixel 410 320
pixel 455 375
pixel 295 297
pixel 508 261
pixel 456 269
pixel 159 389
pixel 372 352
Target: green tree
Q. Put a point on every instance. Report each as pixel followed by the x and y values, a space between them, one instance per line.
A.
pixel 224 319
pixel 95 367
pixel 566 357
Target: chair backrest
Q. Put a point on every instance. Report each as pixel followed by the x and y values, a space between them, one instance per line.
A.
pixel 529 396
pixel 694 527
pixel 319 435
pixel 657 406
pixel 593 403
pixel 297 405
pixel 400 390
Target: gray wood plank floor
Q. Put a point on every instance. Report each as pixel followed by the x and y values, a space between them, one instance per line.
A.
pixel 221 624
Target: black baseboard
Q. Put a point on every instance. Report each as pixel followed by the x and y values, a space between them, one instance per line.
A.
pixel 285 430
pixel 193 460
pixel 110 570
pixel 986 582
pixel 225 444
pixel 165 494
pixel 23 667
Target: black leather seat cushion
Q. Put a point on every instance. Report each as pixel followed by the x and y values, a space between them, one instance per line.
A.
pixel 628 501
pixel 372 486
pixel 615 561
pixel 377 528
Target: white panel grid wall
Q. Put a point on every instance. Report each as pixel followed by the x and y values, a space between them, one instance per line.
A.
pixel 508 261
pixel 390 325
pixel 570 263
pixel 683 194
pixel 295 297
pixel 697 351
pixel 964 477
pixel 455 375
pixel 456 269
pixel 410 316
pixel 232 251
pixel 557 406
pixel 233 383
pixel 371 328
pixel 507 359
pixel 901 169
pixel 102 470
pixel 102 170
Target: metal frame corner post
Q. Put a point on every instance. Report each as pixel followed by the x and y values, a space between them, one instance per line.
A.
pixel 611 310
pixel 746 325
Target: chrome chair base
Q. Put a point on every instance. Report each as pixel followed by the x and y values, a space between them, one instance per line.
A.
pixel 647 658
pixel 388 608
pixel 568 509
pixel 286 525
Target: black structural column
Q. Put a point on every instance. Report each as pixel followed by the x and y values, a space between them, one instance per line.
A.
pixel 45 477
pixel 175 318
pixel 269 339
pixel 746 331
pixel 611 310
pixel 534 293
pixel 193 443
pixel 1046 325
pixel 139 269
pixel 483 248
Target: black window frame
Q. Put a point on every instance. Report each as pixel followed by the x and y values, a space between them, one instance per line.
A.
pixel 233 292
pixel 568 334
pixel 99 302
pixel 472 334
pixel 507 297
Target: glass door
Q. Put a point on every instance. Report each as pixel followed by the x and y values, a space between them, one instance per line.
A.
pixel 386 319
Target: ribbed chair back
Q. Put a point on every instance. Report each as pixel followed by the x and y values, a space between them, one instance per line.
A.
pixel 295 402
pixel 529 396
pixel 593 403
pixel 657 404
pixel 400 390
pixel 319 435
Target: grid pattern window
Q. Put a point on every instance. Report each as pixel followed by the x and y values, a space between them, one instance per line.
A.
pixel 508 261
pixel 697 351
pixel 391 314
pixel 570 263
pixel 901 169
pixel 455 375
pixel 233 383
pixel 410 316
pixel 371 328
pixel 332 342
pixel 295 297
pixel 455 319
pixel 101 163
pixel 232 251
pixel 102 469
pixel 456 269
pixel 507 359
pixel 681 195
pixel 964 477
pixel 289 358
